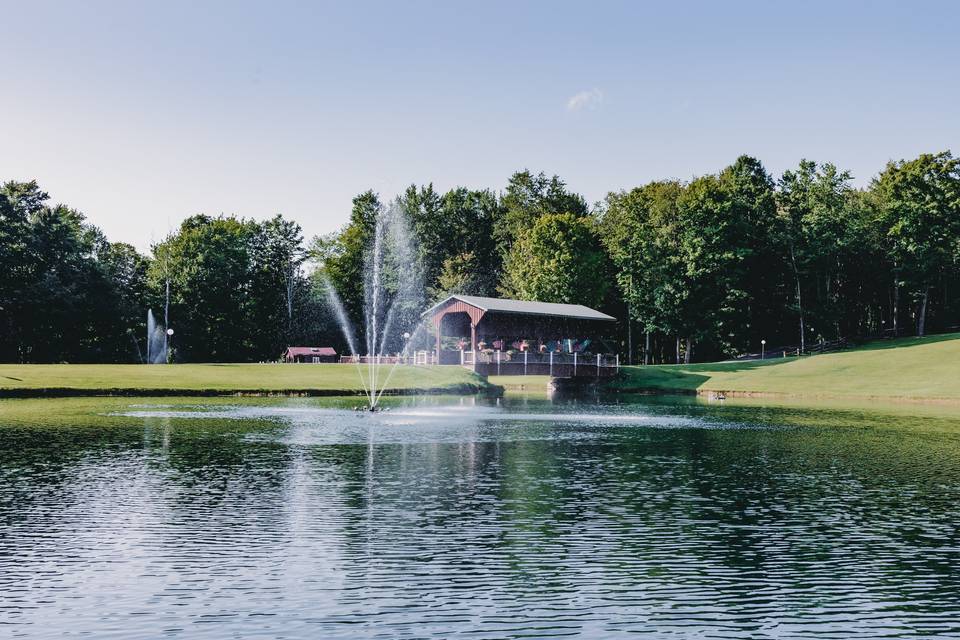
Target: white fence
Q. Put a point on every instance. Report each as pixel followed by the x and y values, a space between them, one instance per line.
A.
pixel 553 364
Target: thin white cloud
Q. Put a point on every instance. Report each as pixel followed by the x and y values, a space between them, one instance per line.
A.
pixel 585 100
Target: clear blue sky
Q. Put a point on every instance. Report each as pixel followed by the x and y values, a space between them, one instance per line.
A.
pixel 140 114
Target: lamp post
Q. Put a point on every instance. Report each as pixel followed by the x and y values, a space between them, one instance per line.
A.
pixel 167 345
pixel 763 348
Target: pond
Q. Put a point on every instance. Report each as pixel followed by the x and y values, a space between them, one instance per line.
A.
pixel 525 517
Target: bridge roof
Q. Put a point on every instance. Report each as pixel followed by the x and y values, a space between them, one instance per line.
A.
pixel 526 307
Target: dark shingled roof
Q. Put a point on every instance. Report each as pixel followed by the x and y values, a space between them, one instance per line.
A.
pixel 525 307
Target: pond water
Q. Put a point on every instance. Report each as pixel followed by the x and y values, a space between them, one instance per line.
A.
pixel 445 517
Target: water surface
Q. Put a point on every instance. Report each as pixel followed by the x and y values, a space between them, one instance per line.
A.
pixel 227 518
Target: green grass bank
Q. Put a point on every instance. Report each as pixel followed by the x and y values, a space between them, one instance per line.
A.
pixel 917 369
pixel 39 380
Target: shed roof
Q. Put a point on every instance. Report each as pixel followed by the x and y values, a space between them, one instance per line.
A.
pixel 527 307
pixel 311 351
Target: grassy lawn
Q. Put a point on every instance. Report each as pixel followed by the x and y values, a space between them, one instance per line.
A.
pixel 920 368
pixel 224 378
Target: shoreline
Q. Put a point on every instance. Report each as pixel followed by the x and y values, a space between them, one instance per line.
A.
pixel 121 392
pixel 712 394
pixel 231 379
pixel 491 390
pixel 498 389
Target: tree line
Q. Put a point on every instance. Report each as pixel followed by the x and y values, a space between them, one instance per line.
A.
pixel 703 269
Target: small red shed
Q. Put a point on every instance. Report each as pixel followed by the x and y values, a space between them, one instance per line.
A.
pixel 310 354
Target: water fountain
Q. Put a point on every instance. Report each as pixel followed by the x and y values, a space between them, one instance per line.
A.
pixel 393 298
pixel 156 340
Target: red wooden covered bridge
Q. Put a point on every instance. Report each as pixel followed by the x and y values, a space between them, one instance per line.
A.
pixel 495 336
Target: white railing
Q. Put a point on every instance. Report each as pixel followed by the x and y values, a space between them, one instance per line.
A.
pixel 381 359
pixel 495 362
pixel 424 358
pixel 501 361
pixel 530 358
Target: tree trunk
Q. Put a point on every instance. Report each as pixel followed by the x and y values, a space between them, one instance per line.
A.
pixel 796 277
pixel 803 332
pixel 291 284
pixel 896 304
pixel 646 350
pixel 922 320
pixel 629 336
pixel 688 355
pixel 678 349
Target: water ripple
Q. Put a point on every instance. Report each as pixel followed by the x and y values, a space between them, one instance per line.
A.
pixel 214 522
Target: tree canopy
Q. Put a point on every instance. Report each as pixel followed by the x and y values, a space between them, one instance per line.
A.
pixel 704 268
pixel 559 259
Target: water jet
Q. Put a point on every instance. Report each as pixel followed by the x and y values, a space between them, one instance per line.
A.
pixel 392 296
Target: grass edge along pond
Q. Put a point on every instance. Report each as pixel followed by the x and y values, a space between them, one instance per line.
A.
pixel 913 369
pixel 921 369
pixel 35 380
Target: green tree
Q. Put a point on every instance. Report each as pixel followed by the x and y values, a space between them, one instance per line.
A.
pixel 276 257
pixel 15 267
pixel 60 297
pixel 424 209
pixel 449 228
pixel 528 197
pixel 758 297
pixel 710 292
pixel 460 274
pixel 920 211
pixel 341 257
pixel 639 228
pixel 122 324
pixel 56 300
pixel 208 264
pixel 813 210
pixel 866 270
pixel 471 217
pixel 560 259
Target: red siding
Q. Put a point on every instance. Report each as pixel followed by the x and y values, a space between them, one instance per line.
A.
pixel 458 306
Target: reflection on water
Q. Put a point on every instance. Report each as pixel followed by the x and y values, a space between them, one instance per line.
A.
pixel 301 518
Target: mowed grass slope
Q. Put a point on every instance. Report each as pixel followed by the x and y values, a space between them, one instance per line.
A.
pixel 224 378
pixel 917 368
